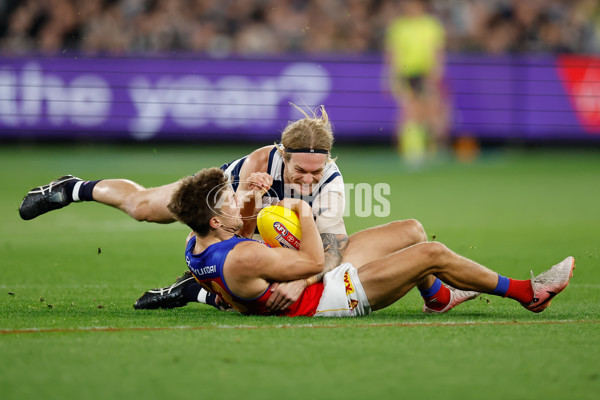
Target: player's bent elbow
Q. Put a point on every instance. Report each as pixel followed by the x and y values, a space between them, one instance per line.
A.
pixel 312 267
pixel 319 267
pixel 319 263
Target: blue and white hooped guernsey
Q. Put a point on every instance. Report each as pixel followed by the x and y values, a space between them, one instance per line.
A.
pixel 327 200
pixel 232 171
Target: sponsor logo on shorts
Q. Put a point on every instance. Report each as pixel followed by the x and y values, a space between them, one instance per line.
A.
pixel 348 284
pixel 352 303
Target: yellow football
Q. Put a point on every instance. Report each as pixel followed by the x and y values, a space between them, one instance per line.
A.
pixel 279 227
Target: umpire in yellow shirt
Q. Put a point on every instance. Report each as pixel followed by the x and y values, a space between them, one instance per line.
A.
pixel 415 43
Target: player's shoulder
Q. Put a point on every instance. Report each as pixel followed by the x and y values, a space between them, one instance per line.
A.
pixel 331 168
pixel 247 255
pixel 258 160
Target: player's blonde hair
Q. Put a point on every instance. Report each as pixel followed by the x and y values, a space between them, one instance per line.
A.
pixel 311 132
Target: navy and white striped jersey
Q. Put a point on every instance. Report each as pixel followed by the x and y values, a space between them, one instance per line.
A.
pixel 327 199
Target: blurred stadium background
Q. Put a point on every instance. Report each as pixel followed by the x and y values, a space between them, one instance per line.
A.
pixel 206 70
pixel 152 90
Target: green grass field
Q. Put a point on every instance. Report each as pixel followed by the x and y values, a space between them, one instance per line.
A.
pixel 69 278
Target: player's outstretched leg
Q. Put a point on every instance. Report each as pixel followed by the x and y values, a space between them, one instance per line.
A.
pixel 56 194
pixel 138 202
pixel 388 279
pixel 386 239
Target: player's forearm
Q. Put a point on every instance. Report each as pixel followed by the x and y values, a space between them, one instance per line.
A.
pixel 311 245
pixel 248 228
pixel 248 213
pixel 334 247
pixel 250 195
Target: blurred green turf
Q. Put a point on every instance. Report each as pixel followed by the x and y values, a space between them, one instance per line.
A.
pixel 512 210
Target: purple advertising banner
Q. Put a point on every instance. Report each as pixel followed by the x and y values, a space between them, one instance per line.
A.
pixel 192 98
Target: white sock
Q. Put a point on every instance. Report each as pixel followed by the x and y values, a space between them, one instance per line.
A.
pixel 202 296
pixel 76 191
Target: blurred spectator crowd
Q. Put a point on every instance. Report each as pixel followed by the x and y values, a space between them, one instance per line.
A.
pixel 221 27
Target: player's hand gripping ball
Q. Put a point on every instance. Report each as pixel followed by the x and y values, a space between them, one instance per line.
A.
pixel 279 227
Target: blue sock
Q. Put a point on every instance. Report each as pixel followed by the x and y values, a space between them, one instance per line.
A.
pixel 85 191
pixel 428 293
pixel 502 286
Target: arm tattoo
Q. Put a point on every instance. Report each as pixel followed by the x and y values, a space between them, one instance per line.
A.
pixel 334 247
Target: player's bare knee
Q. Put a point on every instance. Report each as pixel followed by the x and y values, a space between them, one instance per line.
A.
pixel 146 211
pixel 140 211
pixel 411 229
pixel 138 214
pixel 433 251
pixel 416 231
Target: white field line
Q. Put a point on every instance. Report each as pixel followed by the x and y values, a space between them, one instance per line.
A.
pixel 290 326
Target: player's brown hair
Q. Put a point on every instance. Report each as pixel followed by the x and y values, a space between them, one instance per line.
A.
pixel 312 132
pixel 196 200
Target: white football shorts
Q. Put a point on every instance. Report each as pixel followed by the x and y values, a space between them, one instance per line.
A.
pixel 343 294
